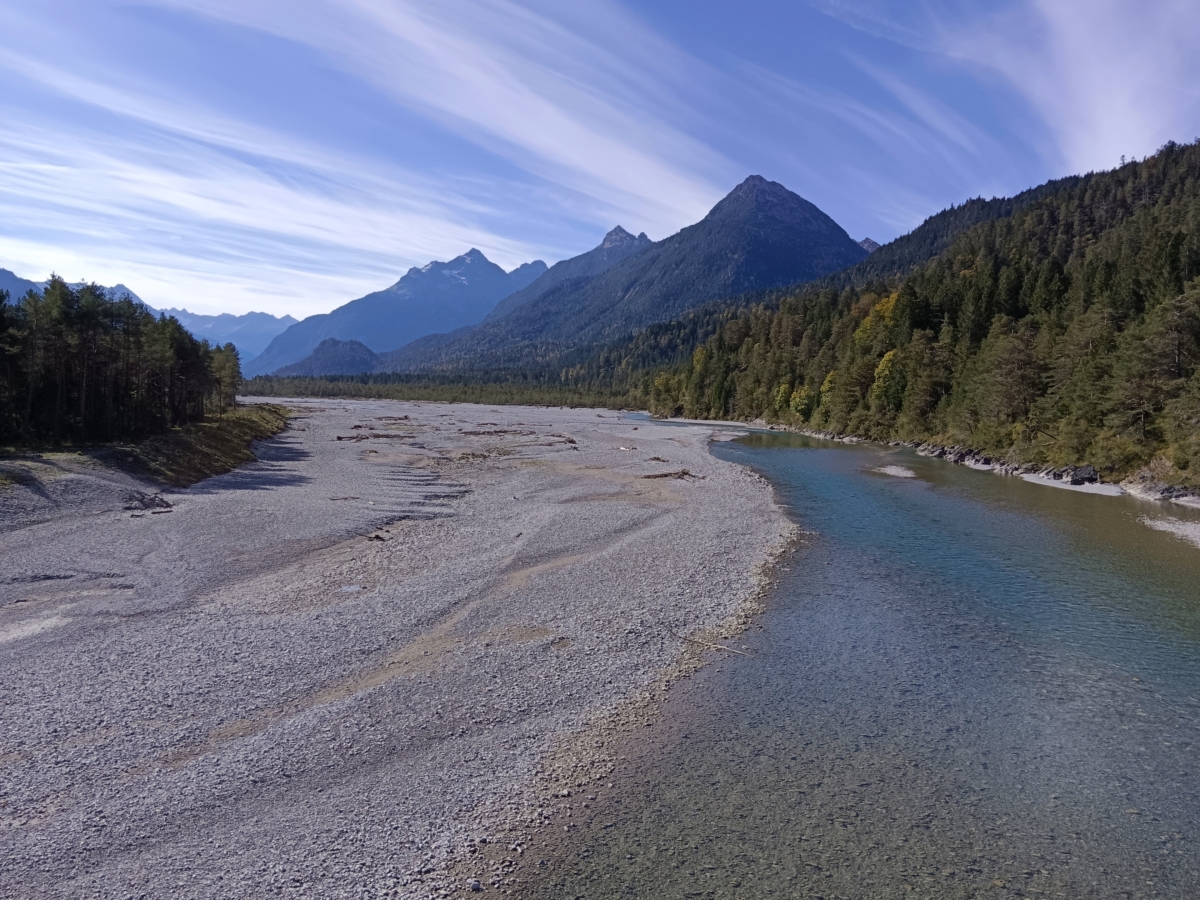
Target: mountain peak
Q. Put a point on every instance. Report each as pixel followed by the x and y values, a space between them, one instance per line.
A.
pixel 619 237
pixel 759 189
pixel 473 255
pixel 758 198
pixel 526 273
pixel 755 181
pixel 869 245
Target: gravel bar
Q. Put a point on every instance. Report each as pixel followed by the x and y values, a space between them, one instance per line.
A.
pixel 341 670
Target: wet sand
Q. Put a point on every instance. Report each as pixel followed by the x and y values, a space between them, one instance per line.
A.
pixel 342 670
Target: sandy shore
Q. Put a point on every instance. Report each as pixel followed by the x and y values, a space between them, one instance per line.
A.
pixel 338 672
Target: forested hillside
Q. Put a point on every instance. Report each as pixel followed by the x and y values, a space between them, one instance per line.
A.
pixel 1066 332
pixel 77 366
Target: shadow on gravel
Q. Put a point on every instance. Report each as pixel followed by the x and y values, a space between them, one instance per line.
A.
pixel 274 469
pixel 281 450
pixel 21 476
pixel 254 477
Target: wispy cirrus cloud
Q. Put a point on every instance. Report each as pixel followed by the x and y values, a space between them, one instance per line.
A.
pixel 1110 78
pixel 593 117
pixel 291 155
pixel 1104 78
pixel 213 208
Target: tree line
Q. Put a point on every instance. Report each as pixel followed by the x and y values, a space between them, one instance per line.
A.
pixel 1066 332
pixel 79 366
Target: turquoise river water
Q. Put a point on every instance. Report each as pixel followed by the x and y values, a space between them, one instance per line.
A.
pixel 964 685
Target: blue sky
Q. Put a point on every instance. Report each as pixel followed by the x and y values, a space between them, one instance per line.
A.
pixel 290 155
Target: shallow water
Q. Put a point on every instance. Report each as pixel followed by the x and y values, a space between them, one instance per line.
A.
pixel 965 685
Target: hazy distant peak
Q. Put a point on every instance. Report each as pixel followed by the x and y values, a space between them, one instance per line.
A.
pixel 536 264
pixel 452 269
pixel 252 316
pixel 437 297
pixel 869 245
pixel 526 273
pixel 119 290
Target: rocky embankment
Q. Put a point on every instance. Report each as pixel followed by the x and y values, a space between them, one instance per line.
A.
pixel 1144 484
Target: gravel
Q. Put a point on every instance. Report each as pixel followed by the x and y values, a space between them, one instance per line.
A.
pixel 341 670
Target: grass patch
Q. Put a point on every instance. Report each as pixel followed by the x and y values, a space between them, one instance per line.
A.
pixel 203 449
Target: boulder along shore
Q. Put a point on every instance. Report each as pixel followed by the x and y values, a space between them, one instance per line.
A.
pixel 410 631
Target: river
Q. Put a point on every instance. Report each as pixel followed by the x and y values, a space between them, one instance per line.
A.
pixel 964 685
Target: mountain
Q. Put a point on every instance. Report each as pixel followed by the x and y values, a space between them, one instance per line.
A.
pixel 440 296
pixel 334 357
pixel 250 332
pixel 16 286
pixel 760 236
pixel 869 245
pixel 116 292
pixel 617 245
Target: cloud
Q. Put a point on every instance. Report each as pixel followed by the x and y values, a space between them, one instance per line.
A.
pixel 591 117
pixel 155 184
pixel 1109 77
pixel 146 205
pixel 1105 78
pixel 886 161
pixel 881 19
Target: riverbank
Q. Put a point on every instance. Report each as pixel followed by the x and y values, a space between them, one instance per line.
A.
pixel 341 670
pixel 179 458
pixel 1146 484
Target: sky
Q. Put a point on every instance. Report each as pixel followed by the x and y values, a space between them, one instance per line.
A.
pixel 290 155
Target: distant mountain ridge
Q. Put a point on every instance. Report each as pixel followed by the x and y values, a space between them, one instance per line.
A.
pixel 437 297
pixel 760 236
pixel 18 287
pixel 250 332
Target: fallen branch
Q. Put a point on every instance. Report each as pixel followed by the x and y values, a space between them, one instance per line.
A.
pixel 707 644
